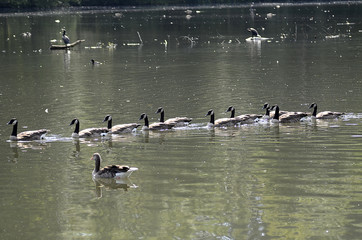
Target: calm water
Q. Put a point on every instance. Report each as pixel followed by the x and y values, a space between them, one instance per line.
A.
pixel 287 181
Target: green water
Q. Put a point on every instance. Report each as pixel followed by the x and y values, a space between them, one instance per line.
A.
pixel 258 181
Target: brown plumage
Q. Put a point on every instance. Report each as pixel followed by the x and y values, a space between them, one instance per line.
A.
pixel 120 128
pixel 155 126
pixel 178 121
pixel 88 132
pixel 324 114
pixel 111 171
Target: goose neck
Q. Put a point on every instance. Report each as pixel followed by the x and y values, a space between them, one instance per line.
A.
pixel 212 118
pixel 162 119
pixel 15 129
pixel 110 124
pixel 314 111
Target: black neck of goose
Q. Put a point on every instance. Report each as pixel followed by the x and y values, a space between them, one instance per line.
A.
pixel 276 114
pixel 146 121
pixel 162 119
pixel 98 165
pixel 110 124
pixel 314 111
pixel 76 129
pixel 232 113
pixel 15 129
pixel 212 118
pixel 267 111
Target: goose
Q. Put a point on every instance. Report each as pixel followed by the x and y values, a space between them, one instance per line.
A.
pixel 121 128
pixel 243 119
pixel 94 62
pixel 254 32
pixel 221 122
pixel 27 135
pixel 155 126
pixel 111 171
pixel 325 114
pixel 65 38
pixel 179 121
pixel 288 117
pixel 86 133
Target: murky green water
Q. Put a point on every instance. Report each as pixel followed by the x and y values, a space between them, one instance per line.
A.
pixel 260 181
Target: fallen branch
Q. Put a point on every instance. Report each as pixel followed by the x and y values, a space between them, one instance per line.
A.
pixel 58 47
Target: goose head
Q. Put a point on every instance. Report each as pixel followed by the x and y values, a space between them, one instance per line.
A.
pixel 314 105
pixel 12 121
pixel 232 110
pixel 97 159
pixel 266 106
pixel 160 110
pixel 212 116
pixel 144 116
pixel 74 121
pixel 108 119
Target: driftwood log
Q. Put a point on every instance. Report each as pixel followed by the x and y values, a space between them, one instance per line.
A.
pixel 59 47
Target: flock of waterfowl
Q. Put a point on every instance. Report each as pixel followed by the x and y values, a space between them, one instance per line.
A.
pixel 272 114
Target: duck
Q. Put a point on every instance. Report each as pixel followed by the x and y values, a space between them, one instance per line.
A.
pixel 288 117
pixel 221 122
pixel 179 121
pixel 87 133
pixel 325 114
pixel 121 128
pixel 65 38
pixel 244 118
pixel 27 135
pixel 155 126
pixel 111 171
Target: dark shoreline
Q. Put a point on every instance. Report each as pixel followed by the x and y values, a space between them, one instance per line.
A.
pixel 98 9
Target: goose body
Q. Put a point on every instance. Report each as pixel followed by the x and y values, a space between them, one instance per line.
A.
pixel 88 132
pixel 243 119
pixel 65 38
pixel 27 135
pixel 325 114
pixel 155 126
pixel 221 122
pixel 178 121
pixel 111 171
pixel 288 117
pixel 120 128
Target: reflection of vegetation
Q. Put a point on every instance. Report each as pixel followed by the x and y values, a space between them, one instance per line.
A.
pixel 64 3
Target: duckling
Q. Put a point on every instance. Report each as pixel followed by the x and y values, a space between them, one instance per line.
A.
pixel 86 133
pixel 325 114
pixel 121 128
pixel 288 117
pixel 111 171
pixel 243 119
pixel 65 38
pixel 155 126
pixel 221 122
pixel 27 135
pixel 179 121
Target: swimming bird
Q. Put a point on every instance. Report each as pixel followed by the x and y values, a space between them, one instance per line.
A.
pixel 120 128
pixel 244 118
pixel 325 114
pixel 111 171
pixel 94 62
pixel 288 117
pixel 65 38
pixel 179 121
pixel 88 132
pixel 221 122
pixel 254 32
pixel 155 126
pixel 27 135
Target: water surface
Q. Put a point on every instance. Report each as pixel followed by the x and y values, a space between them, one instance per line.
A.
pixel 259 181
